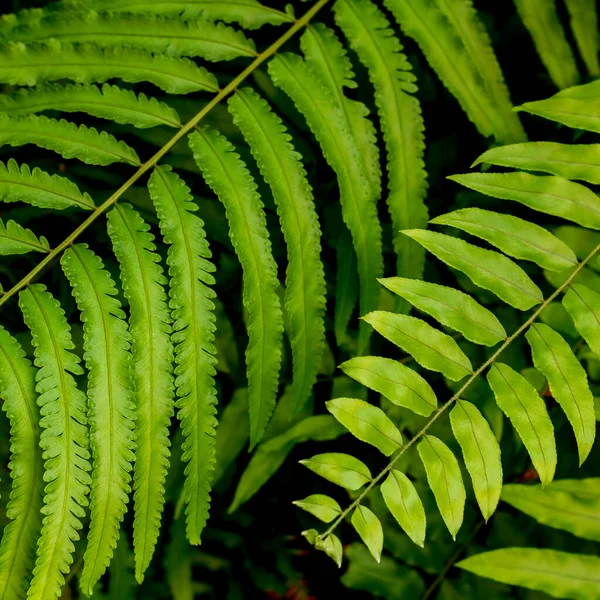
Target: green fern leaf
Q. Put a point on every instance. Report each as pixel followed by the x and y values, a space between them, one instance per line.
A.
pixel 106 344
pixel 30 64
pixel 326 56
pixel 150 326
pixel 17 548
pixel 110 102
pixel 346 284
pixel 64 440
pixel 326 120
pixel 20 184
pixel 584 24
pixel 445 481
pixel 250 14
pixel 403 502
pixel 545 193
pixel 15 239
pixel 193 337
pixel 553 357
pixel 67 139
pixel 451 308
pixel 481 454
pixel 174 37
pixel 514 236
pixel 583 304
pixel 541 19
pixel 424 21
pixel 571 161
pixel 520 402
pixel 399 384
pixel 228 177
pixel 281 168
pixel 368 527
pixel 370 35
pixel 488 269
pixel 575 107
pixel 430 347
pixel 472 32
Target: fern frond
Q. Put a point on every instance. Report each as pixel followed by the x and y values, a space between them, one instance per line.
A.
pixel 17 548
pixel 193 337
pixel 282 169
pixel 30 64
pixel 424 21
pixel 584 24
pixel 230 180
pixel 370 35
pixel 250 14
pixel 64 440
pixel 326 120
pixel 152 349
pixel 20 184
pixel 67 139
pixel 110 102
pixel 106 344
pixel 325 54
pixel 175 37
pixel 472 32
pixel 541 19
pixel 15 239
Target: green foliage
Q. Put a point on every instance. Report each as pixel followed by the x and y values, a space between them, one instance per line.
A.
pixel 308 187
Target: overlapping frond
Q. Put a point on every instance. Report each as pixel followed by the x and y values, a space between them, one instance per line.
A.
pixel 369 33
pixel 109 102
pixel 67 139
pixel 231 181
pixel 64 440
pixel 190 301
pixel 18 544
pixel 448 36
pixel 282 169
pixel 326 119
pixel 172 36
pixel 41 62
pixel 107 356
pixel 152 349
pixel 434 350
pixel 541 19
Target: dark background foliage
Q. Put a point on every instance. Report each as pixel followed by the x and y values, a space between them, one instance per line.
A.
pixel 257 552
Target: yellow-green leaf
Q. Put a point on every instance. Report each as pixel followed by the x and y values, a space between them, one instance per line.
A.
pixel 403 502
pixel 369 528
pixel 445 481
pixel 431 348
pixel 342 469
pixel 481 453
pixel 568 383
pixel 521 403
pixel 323 507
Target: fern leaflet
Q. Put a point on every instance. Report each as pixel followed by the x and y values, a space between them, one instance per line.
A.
pixel 67 139
pixel 40 62
pixel 152 349
pixel 64 440
pixel 282 169
pixel 174 37
pixel 109 102
pixel 106 344
pixel 193 337
pixel 17 548
pixel 21 184
pixel 15 239
pixel 228 177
